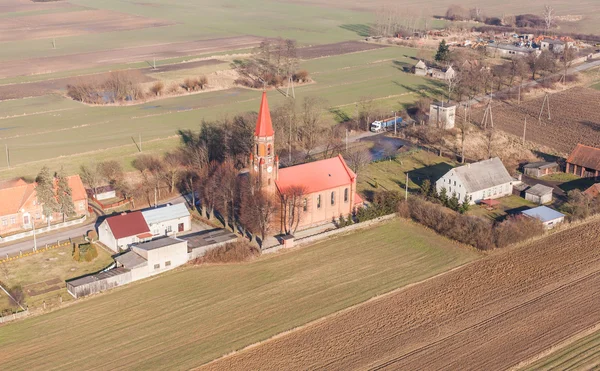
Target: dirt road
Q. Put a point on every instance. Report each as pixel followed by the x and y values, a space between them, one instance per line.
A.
pixel 491 314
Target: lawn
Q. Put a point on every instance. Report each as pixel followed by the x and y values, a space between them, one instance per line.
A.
pixel 583 354
pixel 47 271
pixel 560 177
pixel 192 315
pixel 390 175
pixel 508 205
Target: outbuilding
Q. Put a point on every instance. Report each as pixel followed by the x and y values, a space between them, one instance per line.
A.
pixel 119 231
pixel 549 217
pixel 539 194
pixel 539 169
pixel 168 219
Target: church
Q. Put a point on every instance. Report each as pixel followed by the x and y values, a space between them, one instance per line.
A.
pixel 329 185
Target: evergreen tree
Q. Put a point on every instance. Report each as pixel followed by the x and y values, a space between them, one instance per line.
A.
pixel 465 205
pixel 63 196
pixel 443 197
pixel 45 193
pixel 443 52
pixel 453 202
pixel 426 188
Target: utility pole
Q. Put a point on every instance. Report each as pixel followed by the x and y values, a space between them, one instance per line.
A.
pixel 155 200
pixel 34 239
pixel 519 94
pixel 53 43
pixel 140 142
pixel 395 129
pixel 154 62
pixel 7 157
pixel 406 189
pixel 524 129
pixel 346 139
pixel 290 143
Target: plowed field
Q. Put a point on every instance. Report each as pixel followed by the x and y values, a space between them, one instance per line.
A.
pixel 574 113
pixel 492 314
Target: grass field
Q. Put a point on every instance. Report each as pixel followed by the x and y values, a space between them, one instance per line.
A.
pixel 192 315
pixel 56 265
pixel 583 354
pixel 51 126
pixel 508 205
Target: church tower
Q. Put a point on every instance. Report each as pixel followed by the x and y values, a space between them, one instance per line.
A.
pixel 264 162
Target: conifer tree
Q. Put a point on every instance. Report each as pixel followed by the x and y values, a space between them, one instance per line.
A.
pixel 443 52
pixel 45 193
pixel 64 196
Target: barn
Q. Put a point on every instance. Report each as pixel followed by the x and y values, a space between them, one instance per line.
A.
pixel 539 169
pixel 584 161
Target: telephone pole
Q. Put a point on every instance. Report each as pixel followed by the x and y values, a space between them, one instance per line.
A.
pixel 395 129
pixel 7 156
pixel 140 142
pixel 406 189
pixel 524 129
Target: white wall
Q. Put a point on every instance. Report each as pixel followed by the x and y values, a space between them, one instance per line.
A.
pixel 162 228
pixel 176 254
pixel 453 184
pixel 106 237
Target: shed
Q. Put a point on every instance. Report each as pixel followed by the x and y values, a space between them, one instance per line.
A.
pixel 98 282
pixel 168 219
pixel 104 193
pixel 539 194
pixel 549 217
pixel 584 161
pixel 539 169
pixel 201 242
pixel 161 254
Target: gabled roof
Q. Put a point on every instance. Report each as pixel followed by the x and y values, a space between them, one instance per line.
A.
pixel 127 225
pixel 264 127
pixel 77 189
pixel 540 165
pixel 421 65
pixel 543 213
pixel 13 195
pixel 483 175
pixel 165 213
pixel 586 156
pixel 131 260
pixel 539 190
pixel 316 176
pixel 593 191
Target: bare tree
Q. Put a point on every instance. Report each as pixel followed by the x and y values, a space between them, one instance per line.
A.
pixel 157 88
pixel 569 54
pixel 332 142
pixel 226 175
pixel 258 210
pixel 293 204
pixel 172 162
pixel 110 170
pixel 358 158
pixel 311 130
pixel 202 82
pixel 152 170
pixel 90 177
pixel 549 15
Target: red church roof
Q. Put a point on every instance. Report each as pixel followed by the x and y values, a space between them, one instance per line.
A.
pixel 316 176
pixel 127 225
pixel 264 127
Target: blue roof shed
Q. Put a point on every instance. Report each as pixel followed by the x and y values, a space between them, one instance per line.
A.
pixel 543 213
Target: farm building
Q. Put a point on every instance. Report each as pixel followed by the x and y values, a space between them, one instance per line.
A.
pixel 201 242
pixel 549 217
pixel 539 169
pixel 420 68
pixel 442 115
pixel 556 46
pixel 539 194
pixel 593 191
pixel 487 179
pixel 168 219
pixel 98 282
pixel 442 74
pixel 509 51
pixel 584 161
pixel 120 231
pixel 153 257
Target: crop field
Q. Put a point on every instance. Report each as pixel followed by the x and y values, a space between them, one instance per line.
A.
pixel 575 118
pixel 492 314
pixel 583 354
pixel 47 127
pixel 192 315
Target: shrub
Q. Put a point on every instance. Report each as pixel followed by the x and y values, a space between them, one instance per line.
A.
pixel 515 229
pixel 17 295
pixel 92 236
pixel 234 252
pixel 157 88
pixel 85 252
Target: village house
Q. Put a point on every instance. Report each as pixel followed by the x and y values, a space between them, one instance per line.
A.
pixel 539 169
pixel 421 69
pixel 483 180
pixel 168 219
pixel 584 161
pixel 20 208
pixel 329 186
pixel 549 217
pixel 120 231
pixel 539 194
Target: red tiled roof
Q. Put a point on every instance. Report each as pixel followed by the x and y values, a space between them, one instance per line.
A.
pixel 357 199
pixel 264 127
pixel 586 156
pixel 593 191
pixel 316 176
pixel 78 190
pixel 127 225
pixel 14 195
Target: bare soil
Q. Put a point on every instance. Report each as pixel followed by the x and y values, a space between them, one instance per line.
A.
pixel 117 56
pixel 34 89
pixel 328 50
pixel 72 23
pixel 491 314
pixel 12 6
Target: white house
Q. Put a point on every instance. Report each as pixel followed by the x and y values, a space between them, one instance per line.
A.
pixel 482 180
pixel 120 231
pixel 153 257
pixel 167 220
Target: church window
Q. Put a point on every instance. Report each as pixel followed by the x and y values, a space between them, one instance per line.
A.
pixel 305 205
pixel 346 195
pixel 269 150
pixel 257 149
pixel 318 201
pixel 332 198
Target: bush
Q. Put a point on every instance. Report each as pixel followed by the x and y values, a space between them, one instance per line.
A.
pixel 516 229
pixel 17 295
pixel 384 203
pixel 234 252
pixel 84 252
pixel 92 236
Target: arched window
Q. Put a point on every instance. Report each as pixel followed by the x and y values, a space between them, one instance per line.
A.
pixel 269 150
pixel 346 195
pixel 332 198
pixel 257 149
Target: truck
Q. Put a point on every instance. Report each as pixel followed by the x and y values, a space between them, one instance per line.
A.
pixel 387 124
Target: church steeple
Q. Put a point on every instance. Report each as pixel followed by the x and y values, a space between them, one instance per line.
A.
pixel 265 164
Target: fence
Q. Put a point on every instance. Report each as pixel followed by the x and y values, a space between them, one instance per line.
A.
pixel 52 227
pixel 13 316
pixel 33 251
pixel 113 205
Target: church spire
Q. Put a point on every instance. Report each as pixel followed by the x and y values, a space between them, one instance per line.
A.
pixel 264 127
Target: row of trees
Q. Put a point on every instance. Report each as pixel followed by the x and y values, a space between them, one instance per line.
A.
pixel 546 19
pixel 54 194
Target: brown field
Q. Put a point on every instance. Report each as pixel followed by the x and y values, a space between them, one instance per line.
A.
pixel 118 56
pixel 35 89
pixel 495 313
pixel 328 50
pixel 575 118
pixel 10 6
pixel 72 23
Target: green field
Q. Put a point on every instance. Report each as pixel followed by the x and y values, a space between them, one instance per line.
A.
pixel 192 315
pixel 583 354
pixel 47 127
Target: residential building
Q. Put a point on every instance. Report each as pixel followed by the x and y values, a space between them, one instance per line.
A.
pixel 487 179
pixel 420 68
pixel 539 169
pixel 442 73
pixel 20 208
pixel 442 115
pixel 549 217
pixel 168 219
pixel 329 186
pixel 120 231
pixel 539 194
pixel 584 161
